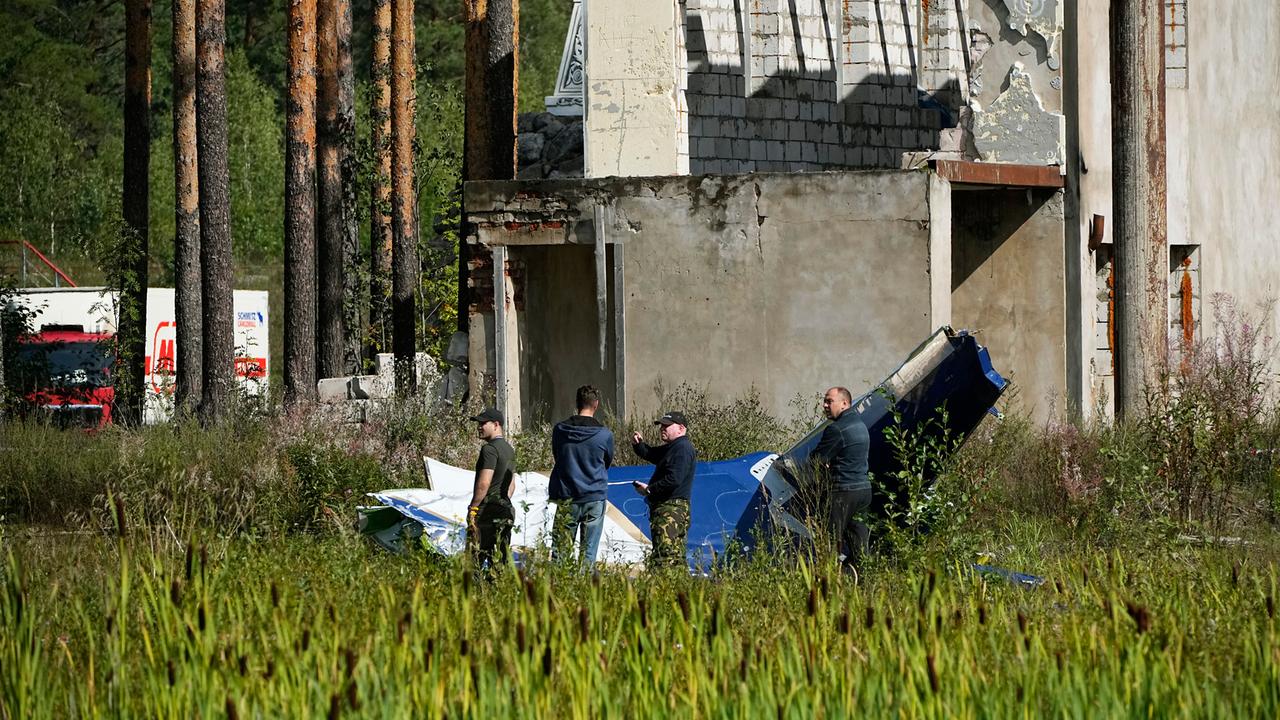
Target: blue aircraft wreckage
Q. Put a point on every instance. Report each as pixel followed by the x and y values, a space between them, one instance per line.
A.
pixel 938 396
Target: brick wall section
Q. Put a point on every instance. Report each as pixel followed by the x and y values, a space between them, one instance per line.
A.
pixel 832 86
pixel 942 74
pixel 880 80
pixel 1185 308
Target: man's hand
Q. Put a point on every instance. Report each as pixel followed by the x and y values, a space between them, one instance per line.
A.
pixel 636 438
pixel 642 488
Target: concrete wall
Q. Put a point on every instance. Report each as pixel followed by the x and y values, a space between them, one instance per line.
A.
pixel 1222 132
pixel 1234 140
pixel 789 283
pixel 1087 106
pixel 1008 282
pixel 633 59
pixel 558 330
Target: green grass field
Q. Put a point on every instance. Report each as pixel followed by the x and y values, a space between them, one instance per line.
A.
pixel 186 572
pixel 94 626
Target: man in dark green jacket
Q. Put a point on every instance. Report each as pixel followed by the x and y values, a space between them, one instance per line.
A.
pixel 668 491
pixel 841 459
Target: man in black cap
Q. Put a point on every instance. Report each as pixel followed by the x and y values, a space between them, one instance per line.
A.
pixel 491 515
pixel 667 492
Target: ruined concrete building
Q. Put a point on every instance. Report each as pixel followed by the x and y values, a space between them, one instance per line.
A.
pixel 790 194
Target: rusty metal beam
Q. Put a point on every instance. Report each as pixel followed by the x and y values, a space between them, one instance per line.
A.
pixel 1002 174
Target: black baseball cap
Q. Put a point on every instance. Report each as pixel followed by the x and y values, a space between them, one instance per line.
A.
pixel 489 414
pixel 674 417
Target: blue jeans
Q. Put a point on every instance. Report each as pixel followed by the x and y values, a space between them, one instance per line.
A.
pixel 572 517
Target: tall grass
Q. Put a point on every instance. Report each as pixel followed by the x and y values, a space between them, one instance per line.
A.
pixel 326 628
pixel 276 610
pixel 280 473
pixel 1201 458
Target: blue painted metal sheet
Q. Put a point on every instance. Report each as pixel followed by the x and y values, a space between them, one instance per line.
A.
pixel 727 504
pixel 948 371
pixel 730 504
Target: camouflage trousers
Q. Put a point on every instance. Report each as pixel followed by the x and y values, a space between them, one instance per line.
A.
pixel 669 528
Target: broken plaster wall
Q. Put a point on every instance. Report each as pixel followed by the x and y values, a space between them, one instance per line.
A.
pixel 787 284
pixel 802 85
pixel 1015 80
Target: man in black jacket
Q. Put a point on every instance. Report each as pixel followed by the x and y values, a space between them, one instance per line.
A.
pixel 668 491
pixel 582 449
pixel 841 459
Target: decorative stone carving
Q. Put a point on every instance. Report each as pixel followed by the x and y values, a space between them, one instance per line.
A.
pixel 567 99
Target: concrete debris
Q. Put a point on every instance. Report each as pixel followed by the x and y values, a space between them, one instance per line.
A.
pixel 355 395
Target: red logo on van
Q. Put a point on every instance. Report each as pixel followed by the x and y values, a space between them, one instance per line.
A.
pixel 162 364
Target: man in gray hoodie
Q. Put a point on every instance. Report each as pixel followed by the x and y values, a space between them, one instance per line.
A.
pixel 582 449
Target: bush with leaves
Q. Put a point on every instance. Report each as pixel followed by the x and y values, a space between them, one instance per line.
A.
pixel 1206 418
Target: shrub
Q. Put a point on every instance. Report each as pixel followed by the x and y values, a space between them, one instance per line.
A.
pixel 1206 418
pixel 327 484
pixel 721 431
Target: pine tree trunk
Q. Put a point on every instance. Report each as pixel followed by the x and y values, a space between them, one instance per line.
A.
pixel 186 242
pixel 492 85
pixel 131 330
pixel 492 43
pixel 300 187
pixel 404 201
pixel 215 211
pixel 329 270
pixel 353 285
pixel 380 242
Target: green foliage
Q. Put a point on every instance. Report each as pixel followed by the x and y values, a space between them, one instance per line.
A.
pixel 439 168
pixel 59 193
pixel 1207 416
pixel 920 496
pixel 15 323
pixel 328 482
pixel 60 146
pixel 61 78
pixel 255 143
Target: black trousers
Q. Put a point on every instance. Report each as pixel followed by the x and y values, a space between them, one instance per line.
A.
pixel 494 541
pixel 849 533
